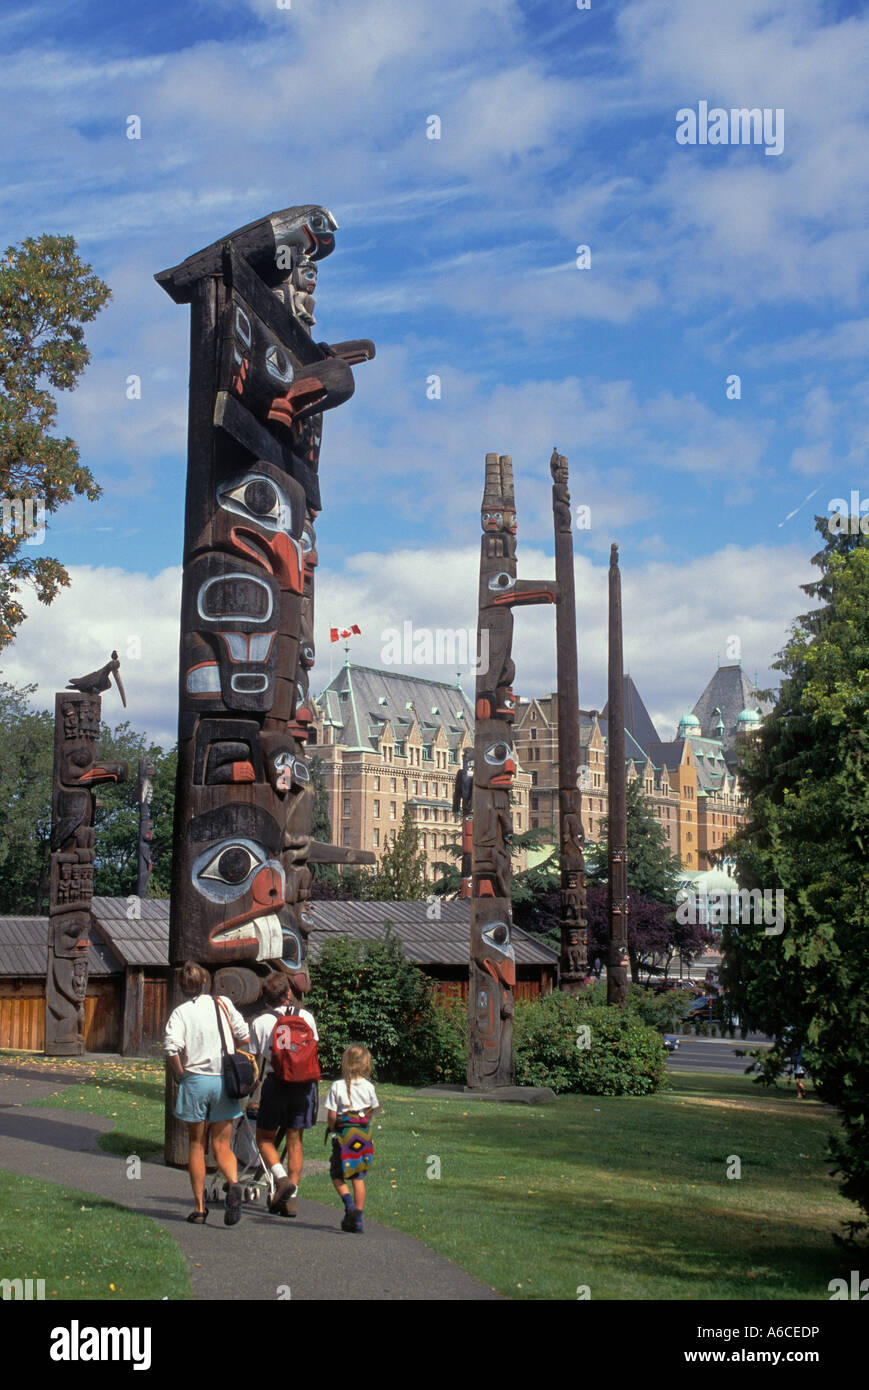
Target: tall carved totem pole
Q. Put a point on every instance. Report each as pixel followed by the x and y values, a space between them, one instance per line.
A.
pixel 259 385
pixel 574 957
pixel 77 771
pixel 492 974
pixel 146 828
pixel 617 891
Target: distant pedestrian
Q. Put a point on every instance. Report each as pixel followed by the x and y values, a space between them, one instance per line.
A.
pixel 350 1105
pixel 799 1072
pixel 194 1056
pixel 287 1035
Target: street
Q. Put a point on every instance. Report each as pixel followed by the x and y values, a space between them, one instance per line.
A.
pixel 714 1054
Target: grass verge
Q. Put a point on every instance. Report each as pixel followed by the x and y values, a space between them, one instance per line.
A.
pixel 84 1247
pixel 629 1198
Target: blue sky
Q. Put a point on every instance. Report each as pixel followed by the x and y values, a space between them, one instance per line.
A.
pixel 458 256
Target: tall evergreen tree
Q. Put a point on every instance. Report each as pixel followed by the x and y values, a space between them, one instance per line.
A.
pixel 401 872
pixel 806 775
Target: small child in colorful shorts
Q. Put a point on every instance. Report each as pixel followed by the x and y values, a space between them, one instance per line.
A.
pixel 350 1104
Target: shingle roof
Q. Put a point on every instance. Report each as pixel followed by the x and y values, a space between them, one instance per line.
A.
pixel 117 940
pixel 24 949
pixel 363 708
pixel 638 722
pixel 140 940
pixel 731 691
pixel 443 942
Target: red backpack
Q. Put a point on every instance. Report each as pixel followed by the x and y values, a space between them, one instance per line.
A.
pixel 294 1049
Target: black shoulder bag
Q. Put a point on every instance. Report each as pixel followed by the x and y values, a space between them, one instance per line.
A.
pixel 238 1068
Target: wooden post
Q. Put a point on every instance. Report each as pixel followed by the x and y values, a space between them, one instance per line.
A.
pixel 132 1022
pixel 574 951
pixel 617 891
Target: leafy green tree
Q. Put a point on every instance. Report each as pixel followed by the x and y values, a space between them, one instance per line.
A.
pixel 116 819
pixel 26 769
pixel 401 871
pixel 653 869
pixel 806 775
pixel 26 779
pixel 46 294
pixel 163 817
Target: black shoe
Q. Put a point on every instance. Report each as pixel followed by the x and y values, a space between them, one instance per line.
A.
pixel 282 1187
pixel 348 1222
pixel 232 1214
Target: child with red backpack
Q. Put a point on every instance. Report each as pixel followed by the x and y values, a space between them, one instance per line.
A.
pixel 288 1037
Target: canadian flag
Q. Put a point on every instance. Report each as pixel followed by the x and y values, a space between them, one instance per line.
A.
pixel 336 633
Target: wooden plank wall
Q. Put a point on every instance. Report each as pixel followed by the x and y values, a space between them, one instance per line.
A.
pixel 22 1016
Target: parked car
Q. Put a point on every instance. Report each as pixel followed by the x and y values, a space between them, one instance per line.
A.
pixel 702 1009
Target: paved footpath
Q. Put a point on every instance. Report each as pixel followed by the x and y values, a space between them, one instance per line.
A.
pixel 252 1260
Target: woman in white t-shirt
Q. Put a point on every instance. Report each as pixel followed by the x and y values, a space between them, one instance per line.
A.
pixel 349 1106
pixel 194 1055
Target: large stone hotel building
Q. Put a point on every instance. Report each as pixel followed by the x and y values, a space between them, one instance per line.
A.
pixel 388 740
pixel 691 781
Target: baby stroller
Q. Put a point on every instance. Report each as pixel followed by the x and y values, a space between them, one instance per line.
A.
pixel 257 1183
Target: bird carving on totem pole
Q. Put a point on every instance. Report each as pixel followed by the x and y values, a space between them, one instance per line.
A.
pixel 97 681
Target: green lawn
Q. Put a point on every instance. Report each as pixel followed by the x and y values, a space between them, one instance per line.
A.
pixel 85 1247
pixel 631 1196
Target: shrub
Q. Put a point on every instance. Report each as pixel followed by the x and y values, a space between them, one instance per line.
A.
pixel 625 1057
pixel 369 992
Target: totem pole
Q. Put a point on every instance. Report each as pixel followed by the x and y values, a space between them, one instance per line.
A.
pixel 573 964
pixel 492 970
pixel 617 891
pixel 77 771
pixel 146 827
pixel 463 805
pixel 259 386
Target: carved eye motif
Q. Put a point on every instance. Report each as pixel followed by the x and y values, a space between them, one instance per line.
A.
pixel 497 934
pixel 500 582
pixel 301 771
pixel 278 364
pixel 291 949
pixel 497 754
pixel 223 872
pixel 257 498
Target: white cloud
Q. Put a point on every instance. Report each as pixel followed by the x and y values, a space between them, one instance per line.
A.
pixel 676 618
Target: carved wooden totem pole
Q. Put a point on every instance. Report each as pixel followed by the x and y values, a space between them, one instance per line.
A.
pixel 146 827
pixel 259 386
pixel 617 892
pixel 463 805
pixel 574 960
pixel 492 972
pixel 77 770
